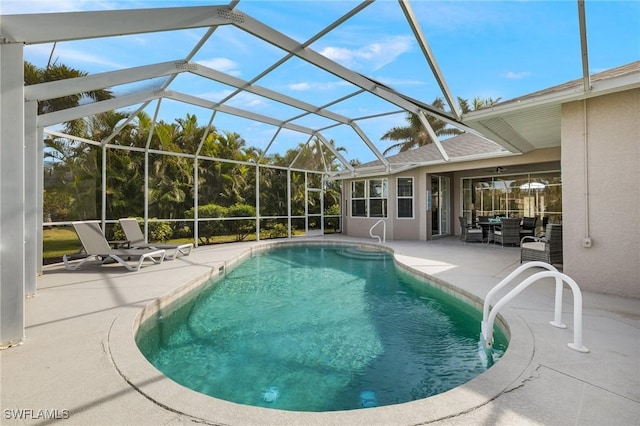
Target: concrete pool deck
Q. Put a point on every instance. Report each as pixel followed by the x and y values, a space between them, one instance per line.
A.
pixel 72 362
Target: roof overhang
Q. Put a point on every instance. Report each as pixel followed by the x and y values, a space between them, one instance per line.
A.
pixel 533 121
pixel 399 167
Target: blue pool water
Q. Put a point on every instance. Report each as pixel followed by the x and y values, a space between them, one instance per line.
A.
pixel 317 328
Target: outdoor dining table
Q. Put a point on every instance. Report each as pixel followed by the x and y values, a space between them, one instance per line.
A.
pixel 487 227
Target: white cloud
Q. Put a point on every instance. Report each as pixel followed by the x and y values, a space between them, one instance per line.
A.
pixel 214 96
pixel 68 56
pixel 304 86
pixel 46 6
pixel 300 87
pixel 372 56
pixel 241 100
pixel 249 101
pixel 395 82
pixel 511 75
pixel 225 65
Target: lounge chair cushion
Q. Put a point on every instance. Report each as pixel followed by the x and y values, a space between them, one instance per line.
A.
pixel 534 245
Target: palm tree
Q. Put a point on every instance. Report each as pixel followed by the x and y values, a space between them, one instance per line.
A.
pixel 72 173
pixel 415 135
pixel 231 180
pixel 482 103
pixel 54 72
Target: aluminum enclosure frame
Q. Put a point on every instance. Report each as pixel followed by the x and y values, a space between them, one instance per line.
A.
pixel 22 131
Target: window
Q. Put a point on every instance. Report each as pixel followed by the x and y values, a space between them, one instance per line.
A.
pixel 358 199
pixel 378 198
pixel 405 197
pixel 369 198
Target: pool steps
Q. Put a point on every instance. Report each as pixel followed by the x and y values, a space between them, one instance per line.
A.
pixel 364 254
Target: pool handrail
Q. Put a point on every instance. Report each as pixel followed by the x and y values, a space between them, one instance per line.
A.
pixel 489 316
pixel 511 277
pixel 384 231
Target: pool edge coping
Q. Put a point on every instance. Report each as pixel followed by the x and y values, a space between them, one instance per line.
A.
pixel 139 373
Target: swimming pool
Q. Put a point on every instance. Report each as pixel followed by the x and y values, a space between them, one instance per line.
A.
pixel 358 338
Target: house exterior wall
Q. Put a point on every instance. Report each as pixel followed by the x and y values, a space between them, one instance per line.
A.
pixel 418 228
pixel 397 229
pixel 600 162
pixel 611 215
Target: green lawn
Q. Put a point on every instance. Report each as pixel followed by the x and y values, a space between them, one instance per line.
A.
pixel 62 240
pixel 57 242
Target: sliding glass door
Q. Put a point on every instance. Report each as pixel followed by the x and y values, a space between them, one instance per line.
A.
pixel 536 195
pixel 440 205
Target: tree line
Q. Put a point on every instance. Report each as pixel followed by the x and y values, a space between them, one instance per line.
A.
pixel 226 178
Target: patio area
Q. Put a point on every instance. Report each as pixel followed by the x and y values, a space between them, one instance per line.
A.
pixel 66 365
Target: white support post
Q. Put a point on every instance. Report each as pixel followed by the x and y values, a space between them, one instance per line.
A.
pixel 146 191
pixel 322 192
pixel 33 169
pixel 306 204
pixel 12 200
pixel 103 189
pixel 257 202
pixel 289 202
pixel 196 192
pixel 146 172
pixel 40 199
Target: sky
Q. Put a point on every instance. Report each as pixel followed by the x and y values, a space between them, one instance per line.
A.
pixel 484 49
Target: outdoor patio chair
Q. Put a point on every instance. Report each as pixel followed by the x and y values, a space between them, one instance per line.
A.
pixel 469 233
pixel 528 227
pixel 96 247
pixel 545 249
pixel 508 232
pixel 135 237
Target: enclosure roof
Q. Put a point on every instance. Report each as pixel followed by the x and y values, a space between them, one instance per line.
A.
pixel 244 60
pixel 464 147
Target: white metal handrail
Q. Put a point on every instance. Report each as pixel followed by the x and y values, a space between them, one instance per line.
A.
pixel 511 277
pixel 489 316
pixel 384 231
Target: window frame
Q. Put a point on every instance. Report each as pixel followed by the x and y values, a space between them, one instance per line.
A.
pixel 383 198
pixel 405 197
pixel 355 199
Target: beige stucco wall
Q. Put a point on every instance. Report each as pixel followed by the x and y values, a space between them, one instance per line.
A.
pixel 416 228
pixel 397 229
pixel 612 264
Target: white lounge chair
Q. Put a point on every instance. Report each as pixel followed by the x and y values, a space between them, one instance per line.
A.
pixel 96 247
pixel 135 237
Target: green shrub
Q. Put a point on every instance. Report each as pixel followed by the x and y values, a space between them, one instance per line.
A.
pixel 208 229
pixel 241 227
pixel 183 231
pixel 332 222
pixel 278 230
pixel 158 231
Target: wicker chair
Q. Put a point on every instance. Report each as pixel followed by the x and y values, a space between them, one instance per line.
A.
pixel 469 233
pixel 528 227
pixel 508 232
pixel 545 249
